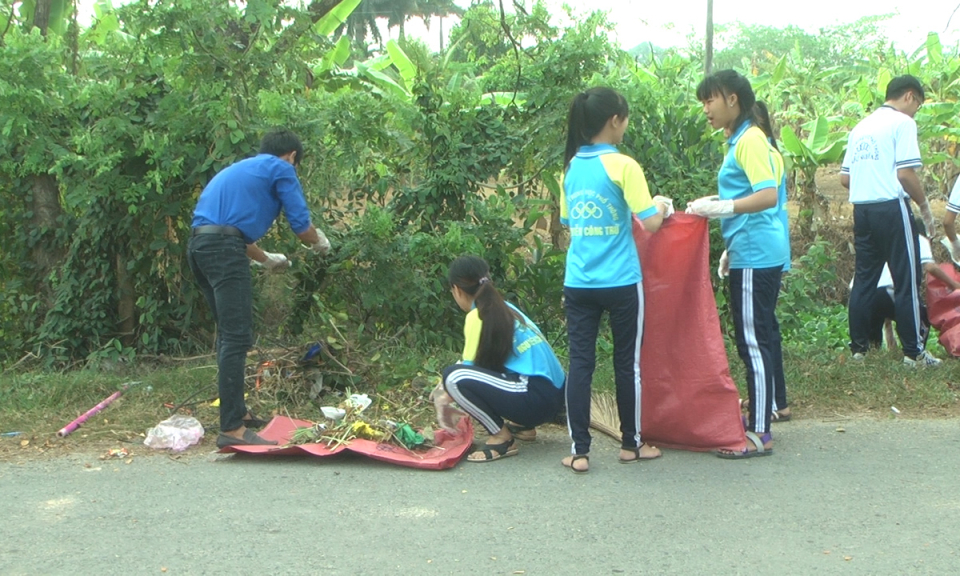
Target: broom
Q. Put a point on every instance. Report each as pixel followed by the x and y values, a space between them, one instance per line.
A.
pixel 603 414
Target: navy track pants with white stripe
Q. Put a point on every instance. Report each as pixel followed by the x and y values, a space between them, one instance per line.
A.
pixel 584 308
pixel 491 396
pixel 885 233
pixel 753 302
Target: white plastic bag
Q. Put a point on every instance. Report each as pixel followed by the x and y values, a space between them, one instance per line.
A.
pixel 176 433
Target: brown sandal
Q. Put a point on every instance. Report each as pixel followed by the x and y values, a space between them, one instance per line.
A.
pixel 573 459
pixel 636 455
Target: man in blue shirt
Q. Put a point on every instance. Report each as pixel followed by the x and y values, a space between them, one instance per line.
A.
pixel 235 210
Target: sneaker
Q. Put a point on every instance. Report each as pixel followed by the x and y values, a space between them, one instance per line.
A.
pixel 859 356
pixel 923 359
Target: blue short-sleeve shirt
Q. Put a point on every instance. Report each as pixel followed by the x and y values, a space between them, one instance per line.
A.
pixel 249 195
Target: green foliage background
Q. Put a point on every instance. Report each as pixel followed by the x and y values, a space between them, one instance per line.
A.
pixel 109 133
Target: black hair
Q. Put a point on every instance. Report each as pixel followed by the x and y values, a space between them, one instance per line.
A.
pixel 472 275
pixel 280 142
pixel 761 116
pixel 901 85
pixel 589 113
pixel 725 83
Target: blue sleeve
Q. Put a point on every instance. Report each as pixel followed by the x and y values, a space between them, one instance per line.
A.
pixel 290 194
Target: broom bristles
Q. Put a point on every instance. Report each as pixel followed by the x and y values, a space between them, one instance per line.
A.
pixel 604 416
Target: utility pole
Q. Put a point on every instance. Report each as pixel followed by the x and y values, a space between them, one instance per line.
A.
pixel 708 60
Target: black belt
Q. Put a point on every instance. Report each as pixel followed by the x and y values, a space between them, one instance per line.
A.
pixel 223 230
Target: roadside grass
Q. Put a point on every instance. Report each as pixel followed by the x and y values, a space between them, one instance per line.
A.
pixel 832 385
pixel 826 385
pixel 40 403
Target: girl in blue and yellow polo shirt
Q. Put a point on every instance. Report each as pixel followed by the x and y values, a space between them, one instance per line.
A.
pixel 602 191
pixel 748 205
pixel 508 369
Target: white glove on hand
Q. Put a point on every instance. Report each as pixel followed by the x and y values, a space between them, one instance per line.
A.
pixel 322 246
pixel 724 269
pixel 953 248
pixel 711 207
pixel 667 203
pixel 447 415
pixel 274 262
pixel 927 216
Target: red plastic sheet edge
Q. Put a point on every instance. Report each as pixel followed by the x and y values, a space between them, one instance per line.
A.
pixel 448 449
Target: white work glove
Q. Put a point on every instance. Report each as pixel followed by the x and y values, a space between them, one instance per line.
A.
pixel 953 248
pixel 667 203
pixel 711 207
pixel 447 415
pixel 322 246
pixel 927 216
pixel 274 262
pixel 723 270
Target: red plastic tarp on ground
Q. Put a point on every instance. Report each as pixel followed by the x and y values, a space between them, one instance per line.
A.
pixel 689 400
pixel 447 451
pixel 943 309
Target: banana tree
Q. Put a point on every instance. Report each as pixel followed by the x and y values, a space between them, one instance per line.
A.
pixel 819 149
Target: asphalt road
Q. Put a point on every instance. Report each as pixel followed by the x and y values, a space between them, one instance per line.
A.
pixel 881 497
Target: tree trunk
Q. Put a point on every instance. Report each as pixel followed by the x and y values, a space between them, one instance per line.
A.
pixel 46 213
pixel 813 207
pixel 708 49
pixel 41 15
pixel 126 306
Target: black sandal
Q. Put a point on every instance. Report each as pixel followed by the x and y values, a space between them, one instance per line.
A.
pixel 636 455
pixel 493 452
pixel 573 460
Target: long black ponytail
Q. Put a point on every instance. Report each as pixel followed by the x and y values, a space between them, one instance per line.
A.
pixel 472 275
pixel 762 119
pixel 589 113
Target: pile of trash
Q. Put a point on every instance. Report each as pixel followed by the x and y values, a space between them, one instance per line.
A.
pixel 357 417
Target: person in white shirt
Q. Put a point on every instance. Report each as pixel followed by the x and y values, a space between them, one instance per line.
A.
pixel 950 240
pixel 879 169
pixel 884 308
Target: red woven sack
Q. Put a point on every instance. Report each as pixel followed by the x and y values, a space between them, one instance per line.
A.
pixel 689 400
pixel 943 308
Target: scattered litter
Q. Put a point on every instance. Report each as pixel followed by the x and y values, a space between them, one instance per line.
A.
pixel 333 413
pixel 407 436
pixel 103 404
pixel 216 402
pixel 115 453
pixel 894 408
pixel 359 401
pixel 841 429
pixel 177 433
pixel 312 353
pixel 10 434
